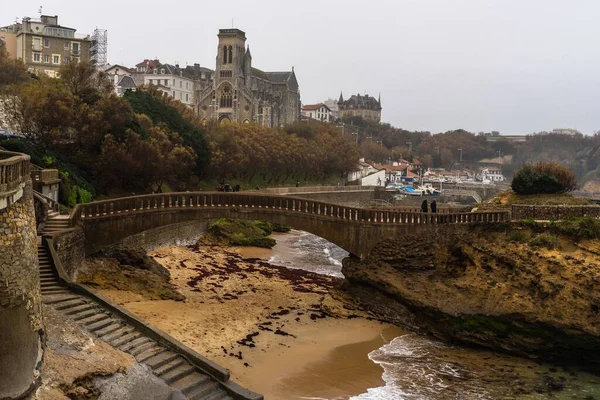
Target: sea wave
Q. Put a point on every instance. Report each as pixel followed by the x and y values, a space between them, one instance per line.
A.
pixel 413 372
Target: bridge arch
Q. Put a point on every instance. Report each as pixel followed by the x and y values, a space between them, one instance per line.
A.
pixel 356 230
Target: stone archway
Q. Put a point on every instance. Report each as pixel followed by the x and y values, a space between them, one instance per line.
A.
pixel 224 119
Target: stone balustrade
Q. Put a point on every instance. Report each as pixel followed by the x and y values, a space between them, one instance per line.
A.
pixel 147 203
pixel 14 173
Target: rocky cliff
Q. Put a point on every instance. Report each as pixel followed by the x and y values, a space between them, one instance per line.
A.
pixel 502 290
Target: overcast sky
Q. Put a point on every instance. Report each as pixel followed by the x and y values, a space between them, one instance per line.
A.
pixel 516 66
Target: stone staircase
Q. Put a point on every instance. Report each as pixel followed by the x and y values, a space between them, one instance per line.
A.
pixel 171 367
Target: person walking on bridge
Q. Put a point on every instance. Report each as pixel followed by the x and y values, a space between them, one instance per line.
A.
pixel 424 206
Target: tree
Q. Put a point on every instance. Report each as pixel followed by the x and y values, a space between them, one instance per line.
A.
pixel 11 71
pixel 544 177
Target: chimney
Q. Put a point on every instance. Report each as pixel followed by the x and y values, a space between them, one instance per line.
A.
pixel 196 71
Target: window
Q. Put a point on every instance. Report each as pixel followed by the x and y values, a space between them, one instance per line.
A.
pixel 230 54
pixel 226 74
pixel 173 94
pixel 66 45
pixel 46 59
pixel 37 57
pixel 166 82
pixel 187 97
pixel 37 44
pixel 55 59
pixel 75 48
pixel 224 54
pixel 46 42
pixel 226 98
pixel 66 60
pixel 173 82
pixel 180 84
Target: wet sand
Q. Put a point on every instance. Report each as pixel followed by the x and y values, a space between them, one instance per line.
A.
pixel 265 323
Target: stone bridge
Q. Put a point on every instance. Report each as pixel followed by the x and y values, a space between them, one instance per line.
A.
pixel 356 230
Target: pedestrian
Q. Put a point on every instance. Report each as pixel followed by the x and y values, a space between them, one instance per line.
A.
pixel 424 206
pixel 237 187
pixel 434 206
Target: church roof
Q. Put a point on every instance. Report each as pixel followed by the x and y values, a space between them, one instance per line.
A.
pixel 259 74
pixel 279 77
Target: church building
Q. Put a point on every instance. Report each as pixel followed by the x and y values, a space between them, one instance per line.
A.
pixel 241 93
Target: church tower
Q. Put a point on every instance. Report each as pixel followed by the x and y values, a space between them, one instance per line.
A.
pixel 229 75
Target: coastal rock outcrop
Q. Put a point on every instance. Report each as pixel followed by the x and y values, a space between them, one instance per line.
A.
pixel 489 288
pixel 129 269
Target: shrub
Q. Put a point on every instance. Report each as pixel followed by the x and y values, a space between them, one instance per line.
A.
pixel 518 237
pixel 544 178
pixel 581 228
pixel 545 240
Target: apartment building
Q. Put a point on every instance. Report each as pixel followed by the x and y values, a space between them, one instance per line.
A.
pixel 44 45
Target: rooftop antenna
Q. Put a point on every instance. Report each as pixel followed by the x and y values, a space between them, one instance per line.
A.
pixel 40 10
pixel 231 23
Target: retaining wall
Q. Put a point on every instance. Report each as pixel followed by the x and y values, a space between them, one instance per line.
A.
pixel 554 212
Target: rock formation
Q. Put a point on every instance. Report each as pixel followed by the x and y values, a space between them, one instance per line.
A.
pixel 489 288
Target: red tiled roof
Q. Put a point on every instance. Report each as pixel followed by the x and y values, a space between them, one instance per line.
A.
pixel 313 107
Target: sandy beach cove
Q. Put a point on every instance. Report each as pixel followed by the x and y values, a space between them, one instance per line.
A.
pixel 277 329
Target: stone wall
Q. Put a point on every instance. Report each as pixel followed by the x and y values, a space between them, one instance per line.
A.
pixel 182 234
pixel 21 327
pixel 548 213
pixel 70 247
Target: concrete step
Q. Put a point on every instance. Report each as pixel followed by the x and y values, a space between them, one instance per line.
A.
pixel 79 308
pixel 139 349
pixel 56 300
pixel 84 314
pixel 171 365
pixel 206 388
pixel 77 301
pixel 125 339
pixel 116 325
pixel 51 285
pixel 130 345
pixel 177 373
pixel 219 394
pixel 60 290
pixel 149 353
pixel 99 316
pixel 51 278
pixel 99 324
pixel 190 382
pixel 161 359
pixel 125 330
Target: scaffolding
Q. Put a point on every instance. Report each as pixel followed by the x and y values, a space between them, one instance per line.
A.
pixel 98 50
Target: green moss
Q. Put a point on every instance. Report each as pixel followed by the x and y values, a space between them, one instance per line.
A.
pixel 517 237
pixel 241 233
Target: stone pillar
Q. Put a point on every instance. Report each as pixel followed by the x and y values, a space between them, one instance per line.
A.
pixel 21 328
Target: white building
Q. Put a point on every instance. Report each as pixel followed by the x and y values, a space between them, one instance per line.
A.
pixel 121 77
pixel 493 174
pixel 367 175
pixel 320 112
pixel 174 81
pixel 334 107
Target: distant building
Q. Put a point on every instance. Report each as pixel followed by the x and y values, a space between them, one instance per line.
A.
pixel 366 107
pixel 566 131
pixel 241 93
pixel 334 107
pixel 493 174
pixel 183 84
pixel 320 112
pixel 121 78
pixel 44 45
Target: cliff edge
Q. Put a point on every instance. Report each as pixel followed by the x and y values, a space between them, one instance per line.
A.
pixel 521 288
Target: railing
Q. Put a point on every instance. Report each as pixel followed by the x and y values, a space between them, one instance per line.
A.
pixel 219 200
pixel 14 170
pixel 44 175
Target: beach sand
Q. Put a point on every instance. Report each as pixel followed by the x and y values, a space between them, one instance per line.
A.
pixel 265 323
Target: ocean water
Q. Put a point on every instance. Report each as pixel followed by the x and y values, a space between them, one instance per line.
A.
pixel 418 367
pixel 298 249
